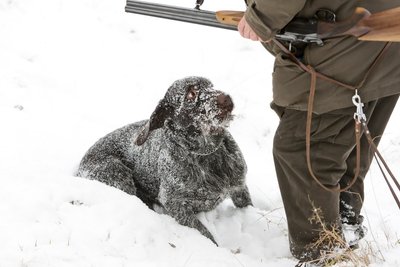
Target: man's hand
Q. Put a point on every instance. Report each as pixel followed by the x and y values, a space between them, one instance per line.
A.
pixel 246 31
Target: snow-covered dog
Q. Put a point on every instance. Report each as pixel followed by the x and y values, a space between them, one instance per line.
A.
pixel 183 158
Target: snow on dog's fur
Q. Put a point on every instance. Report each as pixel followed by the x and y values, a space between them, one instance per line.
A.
pixel 182 158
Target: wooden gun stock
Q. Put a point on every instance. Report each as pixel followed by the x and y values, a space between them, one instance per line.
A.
pixel 383 26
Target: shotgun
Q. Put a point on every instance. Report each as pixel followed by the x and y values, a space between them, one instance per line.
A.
pixel 382 26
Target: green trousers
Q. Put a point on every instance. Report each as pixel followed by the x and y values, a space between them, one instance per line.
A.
pixel 333 160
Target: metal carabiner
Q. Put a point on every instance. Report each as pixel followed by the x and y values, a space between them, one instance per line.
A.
pixel 359 114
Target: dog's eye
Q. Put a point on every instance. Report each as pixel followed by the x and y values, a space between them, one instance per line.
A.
pixel 192 93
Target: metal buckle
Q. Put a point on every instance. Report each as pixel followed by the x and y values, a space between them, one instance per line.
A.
pixel 326 15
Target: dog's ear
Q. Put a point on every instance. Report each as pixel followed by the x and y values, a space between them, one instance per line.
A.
pixel 157 119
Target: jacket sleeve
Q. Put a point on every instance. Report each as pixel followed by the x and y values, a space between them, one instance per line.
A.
pixel 267 17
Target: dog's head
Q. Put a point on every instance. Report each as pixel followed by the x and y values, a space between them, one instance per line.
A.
pixel 191 105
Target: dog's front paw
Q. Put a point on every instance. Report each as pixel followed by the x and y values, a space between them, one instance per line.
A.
pixel 241 197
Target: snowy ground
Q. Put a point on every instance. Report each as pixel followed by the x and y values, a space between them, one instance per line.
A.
pixel 72 71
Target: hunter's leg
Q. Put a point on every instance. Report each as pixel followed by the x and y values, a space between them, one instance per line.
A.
pixel 300 193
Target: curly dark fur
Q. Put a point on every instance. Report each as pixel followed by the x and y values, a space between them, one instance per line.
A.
pixel 183 158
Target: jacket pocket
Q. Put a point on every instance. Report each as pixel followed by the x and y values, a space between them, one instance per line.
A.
pixel 336 128
pixel 331 128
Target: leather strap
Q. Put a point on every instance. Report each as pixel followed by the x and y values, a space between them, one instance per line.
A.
pixel 378 155
pixel 357 130
pixel 314 75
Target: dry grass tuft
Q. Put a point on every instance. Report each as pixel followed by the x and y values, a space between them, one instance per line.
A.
pixel 336 251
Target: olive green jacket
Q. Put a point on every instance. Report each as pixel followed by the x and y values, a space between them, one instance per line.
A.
pixel 344 58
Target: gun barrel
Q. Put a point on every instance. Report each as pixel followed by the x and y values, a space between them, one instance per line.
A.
pixel 202 17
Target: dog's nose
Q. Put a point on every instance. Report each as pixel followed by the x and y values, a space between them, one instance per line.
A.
pixel 225 102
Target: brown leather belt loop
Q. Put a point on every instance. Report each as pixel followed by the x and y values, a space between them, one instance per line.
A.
pixel 314 75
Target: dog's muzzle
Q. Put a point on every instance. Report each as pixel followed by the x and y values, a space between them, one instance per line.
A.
pixel 225 105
